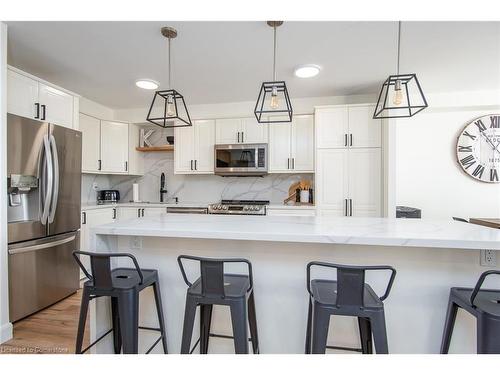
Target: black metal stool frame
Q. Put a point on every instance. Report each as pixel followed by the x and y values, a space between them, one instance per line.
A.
pixel 124 302
pixel 488 325
pixel 349 302
pixel 242 307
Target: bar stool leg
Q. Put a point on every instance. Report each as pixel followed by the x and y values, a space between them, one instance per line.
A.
pixel 239 320
pixel 84 307
pixel 252 321
pixel 308 329
pixel 161 319
pixel 205 322
pixel 379 332
pixel 128 311
pixel 365 334
pixel 187 330
pixel 320 326
pixel 449 323
pixel 117 337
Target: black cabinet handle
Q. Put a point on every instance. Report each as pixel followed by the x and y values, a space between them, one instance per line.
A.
pixel 350 138
pixel 288 162
pixel 126 166
pixel 350 207
pixel 114 213
pixel 99 164
pixel 191 165
pixel 37 108
pixel 143 212
pixel 345 140
pixel 84 218
pixel 238 137
pixel 242 137
pixel 293 163
pixel 195 165
pixel 43 112
pixel 138 212
pixel 345 207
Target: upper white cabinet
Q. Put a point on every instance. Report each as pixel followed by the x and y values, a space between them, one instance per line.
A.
pixel 291 145
pixel 114 147
pixel 240 130
pixel 91 141
pixel 347 126
pixel 194 148
pixel 29 97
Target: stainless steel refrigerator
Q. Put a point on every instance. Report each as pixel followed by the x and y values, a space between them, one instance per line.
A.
pixel 43 210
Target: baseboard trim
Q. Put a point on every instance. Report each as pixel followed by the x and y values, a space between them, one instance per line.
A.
pixel 5 332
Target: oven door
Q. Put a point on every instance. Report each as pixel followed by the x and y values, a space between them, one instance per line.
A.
pixel 241 160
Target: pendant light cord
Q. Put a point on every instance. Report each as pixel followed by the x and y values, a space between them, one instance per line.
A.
pixel 274 54
pixel 399 42
pixel 169 64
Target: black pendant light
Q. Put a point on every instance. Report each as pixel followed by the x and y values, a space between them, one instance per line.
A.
pixel 401 94
pixel 273 96
pixel 168 108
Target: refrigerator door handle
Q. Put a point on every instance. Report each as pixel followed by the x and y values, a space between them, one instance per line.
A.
pixel 50 180
pixel 55 195
pixel 41 246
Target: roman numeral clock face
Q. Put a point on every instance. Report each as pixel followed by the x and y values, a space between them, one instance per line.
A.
pixel 478 149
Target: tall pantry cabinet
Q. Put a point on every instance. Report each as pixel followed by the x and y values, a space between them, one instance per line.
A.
pixel 348 161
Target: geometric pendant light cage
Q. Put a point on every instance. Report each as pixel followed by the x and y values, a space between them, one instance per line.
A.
pixel 273 97
pixel 401 94
pixel 168 108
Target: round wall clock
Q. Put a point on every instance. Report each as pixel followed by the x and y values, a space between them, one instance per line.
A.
pixel 478 148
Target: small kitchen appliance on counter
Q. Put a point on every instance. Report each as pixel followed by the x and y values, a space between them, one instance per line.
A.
pixel 408 212
pixel 238 207
pixel 108 196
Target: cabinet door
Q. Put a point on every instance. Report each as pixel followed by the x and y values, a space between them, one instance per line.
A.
pixel 114 147
pixel 135 158
pixel 154 211
pixel 125 213
pixel 364 131
pixel 331 127
pixel 365 181
pixel 280 147
pixel 228 131
pixel 90 128
pixel 303 144
pixel 58 105
pixel 252 131
pixel 184 150
pixel 22 94
pixel 331 180
pixel 204 146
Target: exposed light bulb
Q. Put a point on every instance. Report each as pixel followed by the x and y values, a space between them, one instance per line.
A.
pixel 170 106
pixel 274 98
pixel 398 93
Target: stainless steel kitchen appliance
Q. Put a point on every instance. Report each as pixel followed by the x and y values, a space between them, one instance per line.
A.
pixel 241 160
pixel 108 196
pixel 43 211
pixel 238 207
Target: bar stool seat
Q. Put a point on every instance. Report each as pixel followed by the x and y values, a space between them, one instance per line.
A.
pixel 325 292
pixel 484 305
pixel 235 286
pixel 128 278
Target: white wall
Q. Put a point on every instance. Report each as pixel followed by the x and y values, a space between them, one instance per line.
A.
pixel 5 326
pixel 427 174
pixel 95 109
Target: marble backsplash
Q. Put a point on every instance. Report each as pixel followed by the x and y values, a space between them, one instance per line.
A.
pixel 189 188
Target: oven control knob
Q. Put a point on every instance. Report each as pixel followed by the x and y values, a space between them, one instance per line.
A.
pixel 224 207
pixel 219 206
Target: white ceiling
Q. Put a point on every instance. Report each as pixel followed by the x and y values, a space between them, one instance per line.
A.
pixel 216 62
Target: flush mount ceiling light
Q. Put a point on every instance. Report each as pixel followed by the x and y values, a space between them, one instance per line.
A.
pixel 401 94
pixel 168 108
pixel 147 84
pixel 273 96
pixel 307 71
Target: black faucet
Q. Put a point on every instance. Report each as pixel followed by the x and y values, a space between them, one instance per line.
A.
pixel 162 187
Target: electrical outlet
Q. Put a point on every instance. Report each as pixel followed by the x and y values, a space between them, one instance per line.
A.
pixel 136 243
pixel 488 258
pixel 95 186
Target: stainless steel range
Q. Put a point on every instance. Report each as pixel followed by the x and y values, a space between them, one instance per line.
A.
pixel 238 207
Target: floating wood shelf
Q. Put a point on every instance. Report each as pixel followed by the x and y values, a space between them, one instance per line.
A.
pixel 156 148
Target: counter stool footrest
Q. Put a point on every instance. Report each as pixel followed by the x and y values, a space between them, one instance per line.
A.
pixel 96 341
pixel 359 350
pixel 213 335
pixel 111 330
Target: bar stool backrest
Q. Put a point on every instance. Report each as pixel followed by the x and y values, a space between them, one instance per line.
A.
pixel 100 266
pixel 212 274
pixel 351 282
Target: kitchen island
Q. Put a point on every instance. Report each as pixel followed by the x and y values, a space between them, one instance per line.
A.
pixel 430 257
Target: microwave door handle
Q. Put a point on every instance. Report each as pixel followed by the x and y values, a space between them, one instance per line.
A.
pixel 55 194
pixel 48 172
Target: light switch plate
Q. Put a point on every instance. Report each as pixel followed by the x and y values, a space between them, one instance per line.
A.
pixel 136 243
pixel 488 258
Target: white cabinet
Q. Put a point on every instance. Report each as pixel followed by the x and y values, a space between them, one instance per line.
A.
pixel 29 97
pixel 135 158
pixel 154 211
pixel 347 126
pixel 348 181
pixel 194 148
pixel 125 213
pixel 286 211
pixel 240 130
pixel 291 146
pixel 114 147
pixel 90 128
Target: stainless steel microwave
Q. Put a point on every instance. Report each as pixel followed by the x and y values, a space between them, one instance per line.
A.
pixel 241 160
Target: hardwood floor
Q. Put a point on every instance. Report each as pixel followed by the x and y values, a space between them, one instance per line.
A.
pixel 50 331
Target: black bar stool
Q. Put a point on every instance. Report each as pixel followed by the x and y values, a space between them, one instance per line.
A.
pixel 123 286
pixel 214 287
pixel 349 295
pixel 485 306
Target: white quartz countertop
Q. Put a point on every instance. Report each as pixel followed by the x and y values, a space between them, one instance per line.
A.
pixel 343 230
pixel 94 205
